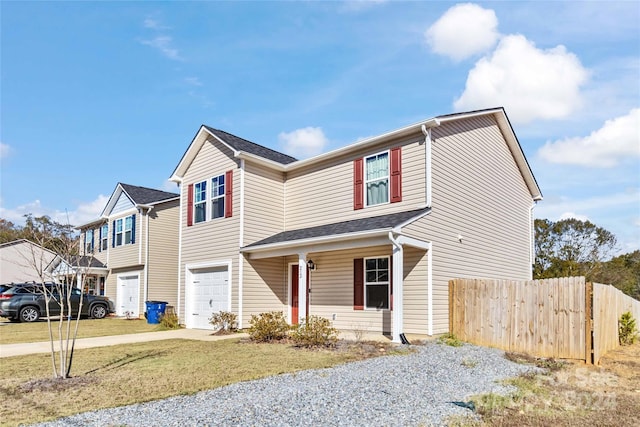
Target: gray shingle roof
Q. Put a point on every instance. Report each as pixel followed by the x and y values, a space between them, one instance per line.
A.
pixel 143 195
pixel 345 227
pixel 240 144
pixel 86 261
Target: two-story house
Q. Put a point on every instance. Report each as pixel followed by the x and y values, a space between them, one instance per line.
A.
pixel 136 238
pixel 367 235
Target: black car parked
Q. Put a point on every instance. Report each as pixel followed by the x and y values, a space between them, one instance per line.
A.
pixel 26 302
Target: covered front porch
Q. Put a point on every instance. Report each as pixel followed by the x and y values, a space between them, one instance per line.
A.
pixel 365 276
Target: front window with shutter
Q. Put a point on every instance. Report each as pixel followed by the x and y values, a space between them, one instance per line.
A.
pixel 124 231
pixel 377 179
pixel 104 237
pixel 88 241
pixel 376 282
pixel 217 197
pixel 200 201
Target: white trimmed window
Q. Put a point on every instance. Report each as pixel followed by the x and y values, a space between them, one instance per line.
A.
pixel 217 197
pixel 104 237
pixel 200 202
pixel 88 241
pixel 376 173
pixel 124 231
pixel 376 283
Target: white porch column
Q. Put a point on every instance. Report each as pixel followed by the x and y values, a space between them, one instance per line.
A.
pixel 79 280
pixel 398 291
pixel 302 288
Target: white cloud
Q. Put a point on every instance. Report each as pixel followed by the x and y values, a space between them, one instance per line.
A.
pixel 568 215
pixel 193 81
pixel 154 24
pixel 5 150
pixel 554 208
pixel 463 31
pixel 302 143
pixel 170 186
pixel 84 212
pixel 617 140
pixel 530 83
pixel 164 45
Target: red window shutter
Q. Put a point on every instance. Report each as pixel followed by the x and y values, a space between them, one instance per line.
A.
pixel 228 194
pixel 190 205
pixel 358 284
pixel 358 184
pixel 396 175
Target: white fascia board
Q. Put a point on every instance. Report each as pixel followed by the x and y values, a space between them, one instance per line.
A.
pixel 152 204
pixel 88 224
pixel 112 200
pixel 318 244
pixel 243 155
pixel 196 144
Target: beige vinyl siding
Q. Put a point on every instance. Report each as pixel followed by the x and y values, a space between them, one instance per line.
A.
pixel 323 193
pixel 126 255
pixel 416 275
pixel 478 193
pixel 163 252
pixel 264 288
pixel 24 262
pixel 264 203
pixel 332 290
pixel 213 240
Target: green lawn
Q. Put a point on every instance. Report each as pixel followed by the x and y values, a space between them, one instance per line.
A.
pixel 38 331
pixel 120 375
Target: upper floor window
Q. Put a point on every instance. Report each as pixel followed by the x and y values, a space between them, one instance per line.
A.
pixel 124 231
pixel 200 204
pixel 217 197
pixel 377 179
pixel 104 237
pixel 88 241
pixel 204 204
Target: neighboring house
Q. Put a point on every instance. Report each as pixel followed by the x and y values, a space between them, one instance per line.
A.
pixel 24 261
pixel 367 235
pixel 136 238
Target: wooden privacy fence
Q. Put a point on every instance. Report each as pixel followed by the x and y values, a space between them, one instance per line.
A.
pixel 563 318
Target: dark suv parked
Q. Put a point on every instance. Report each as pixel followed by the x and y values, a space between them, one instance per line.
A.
pixel 26 302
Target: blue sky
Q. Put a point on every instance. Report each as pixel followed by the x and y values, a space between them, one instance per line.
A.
pixel 95 93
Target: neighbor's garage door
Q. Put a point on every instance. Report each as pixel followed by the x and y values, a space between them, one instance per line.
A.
pixel 209 293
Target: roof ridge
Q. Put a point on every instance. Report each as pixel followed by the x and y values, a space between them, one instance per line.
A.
pixel 250 142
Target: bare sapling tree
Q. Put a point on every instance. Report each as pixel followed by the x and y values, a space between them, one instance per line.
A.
pixel 61 283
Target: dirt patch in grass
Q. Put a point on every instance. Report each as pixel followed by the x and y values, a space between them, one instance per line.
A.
pixel 571 394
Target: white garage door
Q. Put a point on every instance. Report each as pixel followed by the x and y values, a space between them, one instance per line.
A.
pixel 209 293
pixel 127 296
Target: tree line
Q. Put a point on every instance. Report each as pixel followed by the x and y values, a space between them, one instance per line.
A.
pixel 570 247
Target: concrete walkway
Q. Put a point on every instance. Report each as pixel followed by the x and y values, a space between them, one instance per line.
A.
pixel 21 349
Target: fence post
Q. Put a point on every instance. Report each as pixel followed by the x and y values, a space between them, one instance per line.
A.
pixel 588 326
pixel 452 311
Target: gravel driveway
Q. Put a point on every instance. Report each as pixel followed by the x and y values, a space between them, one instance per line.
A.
pixel 411 390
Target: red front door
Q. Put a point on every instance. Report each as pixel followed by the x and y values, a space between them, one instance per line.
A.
pixel 294 294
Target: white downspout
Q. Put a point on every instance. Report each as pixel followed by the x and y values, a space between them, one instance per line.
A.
pixel 426 130
pixel 532 245
pixel 178 306
pixel 398 285
pixel 430 289
pixel 241 244
pixel 146 256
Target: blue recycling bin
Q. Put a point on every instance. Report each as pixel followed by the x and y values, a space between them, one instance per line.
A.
pixel 155 310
